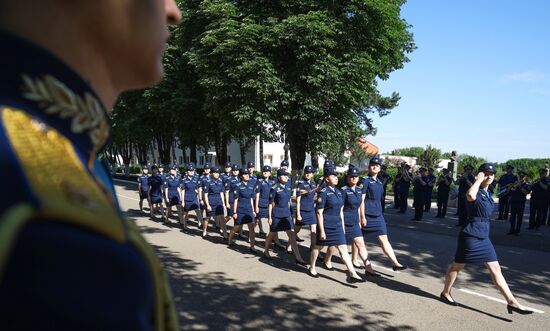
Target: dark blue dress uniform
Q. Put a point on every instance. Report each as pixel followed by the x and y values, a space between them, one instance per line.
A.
pixel 430 181
pixel 172 184
pixel 306 191
pixel 331 200
pixel 263 187
pixel 474 245
pixel 463 188
pixel 155 183
pixel 144 186
pixel 539 201
pixel 281 219
pixel 69 260
pixel 191 187
pixel 517 207
pixel 244 192
pixel 419 194
pixel 353 197
pixel 214 189
pixel 504 199
pixel 404 186
pixel 385 179
pixel 373 190
pixel 230 184
pixel 443 190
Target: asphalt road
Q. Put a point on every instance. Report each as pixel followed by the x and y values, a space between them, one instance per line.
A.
pixel 219 288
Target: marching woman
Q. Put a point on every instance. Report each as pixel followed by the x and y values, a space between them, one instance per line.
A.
pixel 143 188
pixel 279 216
pixel 474 245
pixel 372 217
pixel 172 192
pixel 190 196
pixel 243 208
pixel 263 190
pixel 305 207
pixel 155 183
pixel 353 199
pixel 330 225
pixel 214 199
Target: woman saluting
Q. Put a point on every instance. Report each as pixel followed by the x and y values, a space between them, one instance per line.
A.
pixel 474 245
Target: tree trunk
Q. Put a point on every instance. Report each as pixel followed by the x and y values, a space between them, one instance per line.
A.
pixel 261 152
pixel 297 144
pixel 193 151
pixel 163 146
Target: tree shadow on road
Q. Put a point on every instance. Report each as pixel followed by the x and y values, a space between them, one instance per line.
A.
pixel 214 301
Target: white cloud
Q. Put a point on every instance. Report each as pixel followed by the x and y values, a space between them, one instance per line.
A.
pixel 542 91
pixel 524 77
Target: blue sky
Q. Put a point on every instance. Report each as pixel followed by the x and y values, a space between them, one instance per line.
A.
pixel 479 82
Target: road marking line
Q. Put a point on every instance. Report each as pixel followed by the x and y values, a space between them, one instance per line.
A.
pixel 123 196
pixel 496 299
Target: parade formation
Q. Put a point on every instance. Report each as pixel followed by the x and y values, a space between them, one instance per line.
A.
pixel 338 217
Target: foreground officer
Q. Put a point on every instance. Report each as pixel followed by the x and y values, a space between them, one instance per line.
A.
pixel 69 259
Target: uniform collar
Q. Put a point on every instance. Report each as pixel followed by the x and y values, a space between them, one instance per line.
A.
pixel 35 81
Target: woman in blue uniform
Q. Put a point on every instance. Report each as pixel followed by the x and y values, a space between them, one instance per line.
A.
pixel 353 199
pixel 172 191
pixel 305 206
pixel 155 183
pixel 474 245
pixel 372 217
pixel 279 217
pixel 143 188
pixel 330 225
pixel 190 196
pixel 263 190
pixel 243 209
pixel 214 199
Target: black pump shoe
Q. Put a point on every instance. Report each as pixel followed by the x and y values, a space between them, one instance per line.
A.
pixel 302 263
pixel 372 274
pixel 350 279
pixel 312 274
pixel 326 267
pixel 396 268
pixel 447 301
pixel 518 310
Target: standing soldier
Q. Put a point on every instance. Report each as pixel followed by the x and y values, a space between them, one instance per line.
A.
pixel 404 186
pixel 518 197
pixel 504 182
pixel 385 179
pixel 443 188
pixel 263 189
pixel 155 192
pixel 465 182
pixel 70 259
pixel 539 200
pixel 190 196
pixel 419 192
pixel 396 181
pixel 430 182
pixel 143 188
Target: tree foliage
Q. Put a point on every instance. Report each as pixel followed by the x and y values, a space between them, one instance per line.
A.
pixel 430 157
pixel 415 151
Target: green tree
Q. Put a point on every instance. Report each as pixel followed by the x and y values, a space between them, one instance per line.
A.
pixel 465 159
pixel 430 157
pixel 415 151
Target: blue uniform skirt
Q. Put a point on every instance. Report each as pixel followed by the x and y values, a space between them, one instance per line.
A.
pixel 143 195
pixel 333 231
pixel 281 224
pixel 262 212
pixel 244 217
pixel 174 200
pixel 376 226
pixel 191 205
pixel 217 210
pixel 309 217
pixel 156 198
pixel 472 249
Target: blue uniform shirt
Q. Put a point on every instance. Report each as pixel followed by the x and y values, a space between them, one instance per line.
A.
pixel 518 196
pixel 263 186
pixel 230 186
pixel 143 181
pixel 331 200
pixel 191 187
pixel 352 202
pixel 172 183
pixel 306 199
pixel 280 196
pixel 214 187
pixel 245 193
pixel 373 190
pixel 443 187
pixel 506 179
pixel 479 215
pixel 155 183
